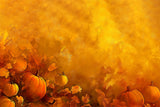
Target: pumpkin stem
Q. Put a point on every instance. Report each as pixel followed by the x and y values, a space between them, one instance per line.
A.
pixel 151 83
pixel 37 73
pixel 128 88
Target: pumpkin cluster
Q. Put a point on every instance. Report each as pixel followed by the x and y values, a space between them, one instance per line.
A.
pixel 32 80
pixel 148 97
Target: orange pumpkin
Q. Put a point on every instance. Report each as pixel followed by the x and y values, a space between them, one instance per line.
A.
pixel 10 89
pixel 5 102
pixel 151 94
pixel 34 87
pixel 133 98
pixel 61 80
pixel 20 65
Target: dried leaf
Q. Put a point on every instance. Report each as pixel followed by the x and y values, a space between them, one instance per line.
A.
pixel 118 103
pixel 20 99
pixel 100 93
pixel 8 66
pixel 51 86
pixel 51 100
pixel 76 89
pixel 58 103
pixel 65 91
pixel 85 98
pixel 75 99
pixel 4 72
pixel 52 67
pixel 86 105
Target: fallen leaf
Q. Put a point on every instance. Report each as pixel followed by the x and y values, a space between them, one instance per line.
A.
pixel 8 66
pixel 76 89
pixel 75 99
pixel 52 67
pixel 86 105
pixel 4 72
pixel 100 93
pixel 85 98
pixel 20 99
pixel 65 91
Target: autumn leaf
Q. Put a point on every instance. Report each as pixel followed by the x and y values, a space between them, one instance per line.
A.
pixel 4 72
pixel 65 91
pixel 118 103
pixel 20 99
pixel 86 105
pixel 51 100
pixel 58 103
pixel 75 89
pixel 8 66
pixel 100 93
pixel 52 67
pixel 85 99
pixel 75 99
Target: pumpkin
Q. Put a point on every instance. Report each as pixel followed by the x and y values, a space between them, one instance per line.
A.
pixel 133 98
pixel 34 87
pixel 20 65
pixel 151 94
pixel 61 80
pixel 5 102
pixel 10 89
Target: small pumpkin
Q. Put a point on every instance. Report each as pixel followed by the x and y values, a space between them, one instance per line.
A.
pixel 133 98
pixel 10 89
pixel 20 65
pixel 34 87
pixel 61 80
pixel 151 94
pixel 6 102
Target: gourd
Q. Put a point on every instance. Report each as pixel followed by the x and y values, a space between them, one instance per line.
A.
pixel 6 102
pixel 10 89
pixel 61 80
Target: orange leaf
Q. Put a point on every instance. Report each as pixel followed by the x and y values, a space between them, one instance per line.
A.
pixel 8 66
pixel 76 89
pixel 75 99
pixel 100 93
pixel 20 99
pixel 65 91
pixel 86 105
pixel 4 72
pixel 52 67
pixel 85 98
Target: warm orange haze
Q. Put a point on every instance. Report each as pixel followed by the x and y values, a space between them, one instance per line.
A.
pixel 79 53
